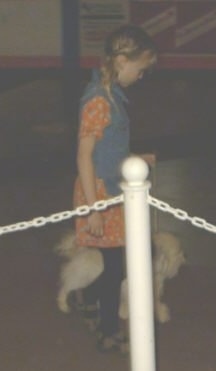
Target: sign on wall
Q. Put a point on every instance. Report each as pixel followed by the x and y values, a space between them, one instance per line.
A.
pixel 184 31
pixel 97 19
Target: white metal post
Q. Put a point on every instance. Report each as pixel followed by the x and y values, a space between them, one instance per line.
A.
pixel 139 264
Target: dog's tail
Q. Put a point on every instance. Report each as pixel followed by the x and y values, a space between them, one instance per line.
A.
pixel 66 247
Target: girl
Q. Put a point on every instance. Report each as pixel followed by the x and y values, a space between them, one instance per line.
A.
pixel 103 144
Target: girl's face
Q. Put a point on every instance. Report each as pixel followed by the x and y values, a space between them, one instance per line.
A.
pixel 129 71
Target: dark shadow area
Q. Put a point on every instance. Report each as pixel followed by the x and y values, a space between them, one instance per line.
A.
pixel 173 114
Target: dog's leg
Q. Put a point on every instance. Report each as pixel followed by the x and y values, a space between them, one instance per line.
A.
pixel 62 299
pixel 123 307
pixel 79 299
pixel 70 283
pixel 78 273
pixel 162 312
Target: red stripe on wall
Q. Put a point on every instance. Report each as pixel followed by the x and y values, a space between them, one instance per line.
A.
pixel 182 61
pixel 174 61
pixel 165 62
pixel 90 62
pixel 30 62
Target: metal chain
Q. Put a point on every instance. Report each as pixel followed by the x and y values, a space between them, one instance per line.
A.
pixel 181 214
pixel 102 205
pixel 58 217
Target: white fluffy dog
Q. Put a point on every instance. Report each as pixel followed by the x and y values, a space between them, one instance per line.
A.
pixel 83 265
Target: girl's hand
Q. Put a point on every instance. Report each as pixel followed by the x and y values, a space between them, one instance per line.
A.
pixel 150 158
pixel 95 224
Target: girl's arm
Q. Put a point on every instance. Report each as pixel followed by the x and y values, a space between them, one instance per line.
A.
pixel 87 177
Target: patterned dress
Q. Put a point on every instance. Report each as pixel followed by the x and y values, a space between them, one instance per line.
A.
pixel 95 116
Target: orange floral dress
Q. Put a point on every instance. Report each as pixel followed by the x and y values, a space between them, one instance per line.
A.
pixel 95 117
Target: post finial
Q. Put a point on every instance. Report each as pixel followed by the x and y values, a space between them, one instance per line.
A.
pixel 135 170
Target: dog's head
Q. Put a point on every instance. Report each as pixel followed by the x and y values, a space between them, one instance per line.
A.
pixel 168 254
pixel 176 261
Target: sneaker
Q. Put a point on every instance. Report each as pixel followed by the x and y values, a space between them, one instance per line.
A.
pixel 116 342
pixel 123 342
pixel 107 344
pixel 79 306
pixel 91 317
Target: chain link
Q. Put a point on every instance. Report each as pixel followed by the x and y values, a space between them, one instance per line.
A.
pixel 102 205
pixel 58 217
pixel 181 214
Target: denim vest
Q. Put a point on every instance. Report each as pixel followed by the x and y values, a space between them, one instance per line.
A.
pixel 113 147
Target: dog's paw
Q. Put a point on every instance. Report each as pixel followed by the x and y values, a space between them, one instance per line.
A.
pixel 163 313
pixel 123 307
pixel 62 305
pixel 123 311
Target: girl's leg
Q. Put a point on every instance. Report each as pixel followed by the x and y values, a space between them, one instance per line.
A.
pixel 106 290
pixel 110 290
pixel 91 296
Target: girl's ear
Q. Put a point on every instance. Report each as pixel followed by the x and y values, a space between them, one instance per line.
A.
pixel 121 61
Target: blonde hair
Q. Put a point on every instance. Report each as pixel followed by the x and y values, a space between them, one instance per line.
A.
pixel 128 40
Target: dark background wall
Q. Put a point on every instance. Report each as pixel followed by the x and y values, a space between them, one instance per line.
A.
pixel 172 111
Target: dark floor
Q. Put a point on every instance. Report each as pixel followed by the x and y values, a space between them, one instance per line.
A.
pixel 34 335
